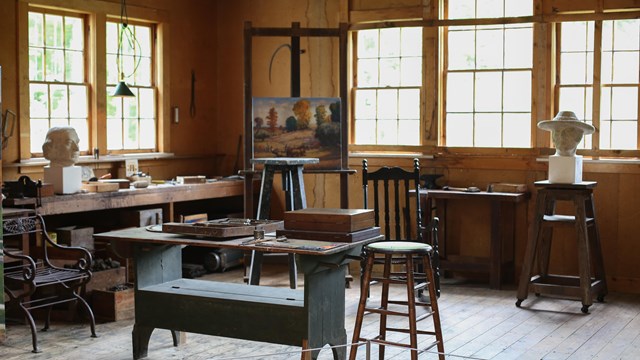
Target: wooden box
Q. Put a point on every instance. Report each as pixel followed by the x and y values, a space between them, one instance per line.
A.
pixel 330 235
pixel 109 305
pixel 324 219
pixel 75 236
pixel 102 280
pixel 141 218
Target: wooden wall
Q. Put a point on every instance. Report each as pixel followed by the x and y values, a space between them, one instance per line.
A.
pixel 207 37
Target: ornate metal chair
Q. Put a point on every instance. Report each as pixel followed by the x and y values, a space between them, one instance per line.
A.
pixel 33 281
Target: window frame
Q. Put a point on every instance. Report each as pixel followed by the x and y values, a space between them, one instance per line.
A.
pixel 97 13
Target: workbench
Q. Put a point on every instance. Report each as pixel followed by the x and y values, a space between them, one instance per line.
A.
pixel 164 195
pixel 311 318
pixel 501 257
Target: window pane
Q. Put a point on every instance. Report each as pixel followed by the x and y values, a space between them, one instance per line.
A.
pixel 488 130
pixel 409 107
pixel 390 42
pixel 143 73
pixel 74 34
pixel 407 134
pixel 74 67
pixel 130 106
pixel 461 51
pixel 624 103
pixel 143 35
pixel 607 67
pixel 411 41
pixel 575 37
pixel 573 69
pixel 112 70
pixel 488 93
pixel 367 72
pixel 411 71
pixel 517 91
pixel 518 52
pixel 462 9
pixel 518 8
pixel 78 107
pixel 368 44
pixel 36 29
pixel 147 103
pixel 82 128
pixel 147 133
pixel 578 100
pixel 54 60
pixel 387 104
pixel 625 67
pixel 59 101
pixel 512 127
pixel 38 132
pixel 459 130
pixel 365 131
pixel 624 134
pixel 489 49
pixel 53 31
pixel 112 37
pixel 389 72
pixel 365 104
pixel 387 132
pixel 489 8
pixel 626 35
pixel 114 134
pixel 459 92
pixel 36 64
pixel 131 132
pixel 39 104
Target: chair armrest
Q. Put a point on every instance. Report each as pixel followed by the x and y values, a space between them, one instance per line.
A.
pixel 28 265
pixel 82 255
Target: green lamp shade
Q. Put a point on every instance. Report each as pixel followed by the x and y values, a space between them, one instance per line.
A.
pixel 122 90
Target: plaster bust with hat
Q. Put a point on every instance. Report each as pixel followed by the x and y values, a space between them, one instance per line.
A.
pixel 566 131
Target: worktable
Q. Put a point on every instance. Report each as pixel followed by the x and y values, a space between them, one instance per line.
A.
pixel 164 195
pixel 311 318
pixel 496 263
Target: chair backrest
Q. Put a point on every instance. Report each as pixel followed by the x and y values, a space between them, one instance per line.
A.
pixel 391 186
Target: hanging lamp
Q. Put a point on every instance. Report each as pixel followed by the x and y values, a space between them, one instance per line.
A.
pixel 122 90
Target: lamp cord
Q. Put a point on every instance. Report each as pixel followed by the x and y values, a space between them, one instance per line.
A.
pixel 125 31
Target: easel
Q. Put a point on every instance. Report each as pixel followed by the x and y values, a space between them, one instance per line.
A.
pixel 295 32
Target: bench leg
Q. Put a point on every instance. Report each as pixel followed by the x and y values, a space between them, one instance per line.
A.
pixel 141 336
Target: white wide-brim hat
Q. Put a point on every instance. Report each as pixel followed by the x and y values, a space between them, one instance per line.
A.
pixel 566 119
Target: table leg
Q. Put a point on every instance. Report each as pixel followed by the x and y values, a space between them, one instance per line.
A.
pixel 495 271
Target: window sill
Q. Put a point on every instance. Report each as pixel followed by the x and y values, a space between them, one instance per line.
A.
pixel 87 159
pixel 616 161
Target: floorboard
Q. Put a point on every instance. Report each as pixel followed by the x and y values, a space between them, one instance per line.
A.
pixel 478 323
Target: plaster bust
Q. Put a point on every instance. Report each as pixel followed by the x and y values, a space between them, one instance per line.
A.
pixel 61 146
pixel 566 131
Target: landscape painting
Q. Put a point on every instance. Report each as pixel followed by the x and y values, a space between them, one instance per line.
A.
pixel 298 127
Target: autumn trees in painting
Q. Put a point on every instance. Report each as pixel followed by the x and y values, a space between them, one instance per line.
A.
pixel 298 127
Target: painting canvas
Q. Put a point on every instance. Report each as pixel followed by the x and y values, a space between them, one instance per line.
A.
pixel 298 127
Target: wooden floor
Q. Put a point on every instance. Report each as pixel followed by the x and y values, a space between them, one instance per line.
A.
pixel 478 323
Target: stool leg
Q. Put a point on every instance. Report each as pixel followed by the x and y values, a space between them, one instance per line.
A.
pixel 384 302
pixel 435 312
pixel 411 303
pixel 596 250
pixel 584 258
pixel 364 291
pixel 531 250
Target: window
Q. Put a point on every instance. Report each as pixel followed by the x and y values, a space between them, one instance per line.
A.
pixel 388 86
pixel 619 79
pixel 488 76
pixel 131 122
pixel 70 73
pixel 58 91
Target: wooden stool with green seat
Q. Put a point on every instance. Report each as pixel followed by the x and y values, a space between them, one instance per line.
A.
pixel 414 281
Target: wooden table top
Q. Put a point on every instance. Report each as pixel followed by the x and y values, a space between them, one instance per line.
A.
pixel 453 194
pixel 294 246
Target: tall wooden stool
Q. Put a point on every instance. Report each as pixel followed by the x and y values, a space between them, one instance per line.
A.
pixel 295 198
pixel 591 280
pixel 413 282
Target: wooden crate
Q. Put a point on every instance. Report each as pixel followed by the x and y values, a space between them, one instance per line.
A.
pixel 140 218
pixel 75 236
pixel 102 280
pixel 330 235
pixel 323 219
pixel 110 305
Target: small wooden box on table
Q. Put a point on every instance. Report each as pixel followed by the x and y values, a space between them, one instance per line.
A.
pixel 311 318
